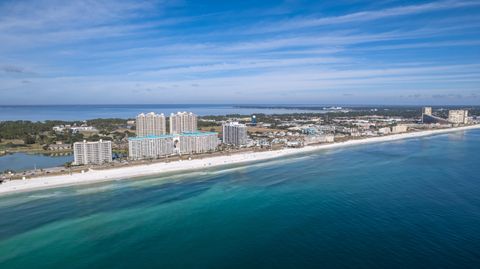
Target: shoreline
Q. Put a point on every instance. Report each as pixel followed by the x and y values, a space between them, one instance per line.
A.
pixel 96 176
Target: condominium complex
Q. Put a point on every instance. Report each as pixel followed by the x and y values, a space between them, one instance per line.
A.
pixel 399 129
pixel 150 147
pixel 182 122
pixel 150 124
pixel 92 152
pixel 458 116
pixel 153 147
pixel 197 142
pixel 234 133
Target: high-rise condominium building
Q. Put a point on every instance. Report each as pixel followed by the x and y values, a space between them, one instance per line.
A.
pixel 427 110
pixel 458 116
pixel 150 147
pixel 234 133
pixel 92 152
pixel 197 142
pixel 153 147
pixel 150 124
pixel 182 122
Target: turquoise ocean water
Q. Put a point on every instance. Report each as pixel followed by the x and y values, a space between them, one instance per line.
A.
pixel 405 204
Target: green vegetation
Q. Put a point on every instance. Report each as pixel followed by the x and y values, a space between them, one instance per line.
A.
pixel 107 125
pixel 31 136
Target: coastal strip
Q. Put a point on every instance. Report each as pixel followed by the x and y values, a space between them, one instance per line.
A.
pixel 94 176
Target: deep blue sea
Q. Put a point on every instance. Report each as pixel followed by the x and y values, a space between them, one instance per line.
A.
pixel 406 204
pixel 85 112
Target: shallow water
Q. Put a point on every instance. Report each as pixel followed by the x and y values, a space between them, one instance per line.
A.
pixel 405 204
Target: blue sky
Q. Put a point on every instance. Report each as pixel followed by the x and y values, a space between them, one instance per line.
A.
pixel 284 52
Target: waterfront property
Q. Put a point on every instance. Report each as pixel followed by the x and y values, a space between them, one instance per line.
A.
pixel 150 124
pixel 197 142
pixel 150 147
pixel 154 147
pixel 98 152
pixel 316 139
pixel 59 146
pixel 234 133
pixel 399 129
pixel 181 122
pixel 458 116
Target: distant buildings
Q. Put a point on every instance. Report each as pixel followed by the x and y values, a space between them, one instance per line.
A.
pixel 384 130
pixel 397 129
pixel 315 139
pixel 92 152
pixel 150 124
pixel 182 122
pixel 427 110
pixel 234 133
pixel 309 130
pixel 429 118
pixel 458 116
pixel 59 146
pixel 74 129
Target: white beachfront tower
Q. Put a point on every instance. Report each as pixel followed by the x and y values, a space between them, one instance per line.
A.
pixel 92 152
pixel 150 124
pixel 182 122
pixel 234 133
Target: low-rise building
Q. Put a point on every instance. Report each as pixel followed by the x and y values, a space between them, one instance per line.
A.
pixel 384 130
pixel 83 129
pixel 315 139
pixel 59 146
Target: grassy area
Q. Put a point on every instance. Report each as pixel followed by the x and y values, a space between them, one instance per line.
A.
pixel 17 145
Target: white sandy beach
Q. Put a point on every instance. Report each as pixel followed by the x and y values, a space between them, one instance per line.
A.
pixel 92 176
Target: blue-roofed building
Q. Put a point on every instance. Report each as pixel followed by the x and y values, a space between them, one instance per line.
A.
pixel 150 147
pixel 197 142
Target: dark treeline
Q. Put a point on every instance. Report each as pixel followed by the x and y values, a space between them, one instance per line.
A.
pixel 42 132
